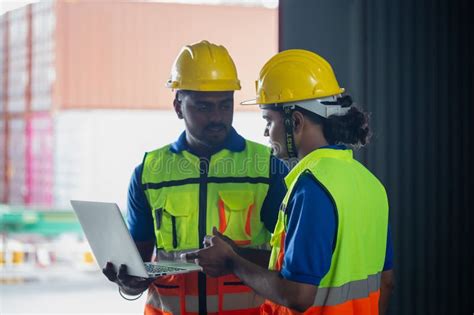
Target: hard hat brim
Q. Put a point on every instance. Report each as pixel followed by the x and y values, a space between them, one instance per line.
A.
pixel 250 102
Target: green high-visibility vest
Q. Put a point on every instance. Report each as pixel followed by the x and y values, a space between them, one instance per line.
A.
pixel 189 195
pixel 362 222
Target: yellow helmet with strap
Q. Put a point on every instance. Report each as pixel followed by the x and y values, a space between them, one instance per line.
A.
pixel 299 78
pixel 295 75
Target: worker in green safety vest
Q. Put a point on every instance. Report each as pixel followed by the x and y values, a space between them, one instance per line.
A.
pixel 210 177
pixel 331 247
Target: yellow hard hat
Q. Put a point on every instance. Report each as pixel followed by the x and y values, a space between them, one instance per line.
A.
pixel 204 67
pixel 295 75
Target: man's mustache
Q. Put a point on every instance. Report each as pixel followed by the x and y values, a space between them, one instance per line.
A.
pixel 216 126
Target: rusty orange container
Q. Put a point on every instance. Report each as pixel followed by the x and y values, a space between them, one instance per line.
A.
pixel 119 54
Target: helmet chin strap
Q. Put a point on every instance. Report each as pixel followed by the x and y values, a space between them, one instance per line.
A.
pixel 287 112
pixel 289 126
pixel 325 107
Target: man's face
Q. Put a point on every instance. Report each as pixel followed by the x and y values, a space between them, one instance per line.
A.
pixel 275 130
pixel 207 116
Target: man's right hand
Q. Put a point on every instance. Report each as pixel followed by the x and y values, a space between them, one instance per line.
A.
pixel 129 285
pixel 215 232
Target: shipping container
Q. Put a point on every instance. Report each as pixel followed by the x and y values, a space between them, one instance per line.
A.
pixel 39 159
pixel 43 55
pixel 100 54
pixel 3 67
pixel 127 62
pixel 117 55
pixel 16 166
pixel 3 179
pixel 69 64
pixel 17 60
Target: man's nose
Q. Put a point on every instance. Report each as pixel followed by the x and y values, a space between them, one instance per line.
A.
pixel 266 133
pixel 215 116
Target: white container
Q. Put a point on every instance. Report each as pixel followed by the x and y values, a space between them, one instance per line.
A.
pixel 16 153
pixel 2 62
pixel 17 51
pixel 43 76
pixel 44 20
pixel 18 26
pixel 2 159
pixel 40 189
pixel 97 151
pixel 43 55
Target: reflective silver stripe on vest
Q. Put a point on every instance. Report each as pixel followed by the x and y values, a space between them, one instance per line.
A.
pixel 172 256
pixel 171 303
pixel 231 302
pixel 265 246
pixel 192 303
pixel 349 291
pixel 176 255
pixel 238 301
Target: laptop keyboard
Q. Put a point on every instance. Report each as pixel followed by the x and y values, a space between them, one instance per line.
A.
pixel 157 269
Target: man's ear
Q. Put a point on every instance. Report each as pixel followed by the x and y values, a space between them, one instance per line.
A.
pixel 298 122
pixel 177 107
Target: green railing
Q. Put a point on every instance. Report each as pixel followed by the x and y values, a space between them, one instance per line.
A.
pixel 46 222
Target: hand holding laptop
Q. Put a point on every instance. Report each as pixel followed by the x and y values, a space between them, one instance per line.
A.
pixel 112 243
pixel 130 285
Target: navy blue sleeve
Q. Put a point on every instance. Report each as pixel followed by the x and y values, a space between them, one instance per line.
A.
pixel 276 193
pixel 139 218
pixel 389 252
pixel 310 234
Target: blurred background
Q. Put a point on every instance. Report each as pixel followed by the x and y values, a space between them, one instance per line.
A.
pixel 82 97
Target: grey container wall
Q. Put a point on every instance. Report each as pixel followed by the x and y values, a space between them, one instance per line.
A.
pixel 410 63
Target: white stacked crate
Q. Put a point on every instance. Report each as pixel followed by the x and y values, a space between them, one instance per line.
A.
pixel 17 165
pixel 2 159
pixel 2 107
pixel 17 65
pixel 43 55
pixel 40 159
pixel 40 180
pixel 2 65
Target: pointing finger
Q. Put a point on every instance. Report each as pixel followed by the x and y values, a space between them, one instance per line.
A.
pixel 216 232
pixel 190 257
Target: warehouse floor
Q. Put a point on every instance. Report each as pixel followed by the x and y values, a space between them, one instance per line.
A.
pixel 63 292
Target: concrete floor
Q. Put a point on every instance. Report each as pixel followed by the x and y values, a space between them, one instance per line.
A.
pixel 62 292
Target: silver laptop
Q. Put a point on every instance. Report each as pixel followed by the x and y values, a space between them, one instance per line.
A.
pixel 110 240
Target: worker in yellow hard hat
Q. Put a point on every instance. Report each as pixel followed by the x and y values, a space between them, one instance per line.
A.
pixel 210 177
pixel 331 247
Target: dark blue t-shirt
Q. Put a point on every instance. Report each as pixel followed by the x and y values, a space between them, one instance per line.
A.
pixel 311 232
pixel 139 217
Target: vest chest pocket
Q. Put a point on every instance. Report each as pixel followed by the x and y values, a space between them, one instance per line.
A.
pixel 236 209
pixel 176 221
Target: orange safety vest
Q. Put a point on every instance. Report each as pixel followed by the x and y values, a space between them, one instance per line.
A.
pixel 179 294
